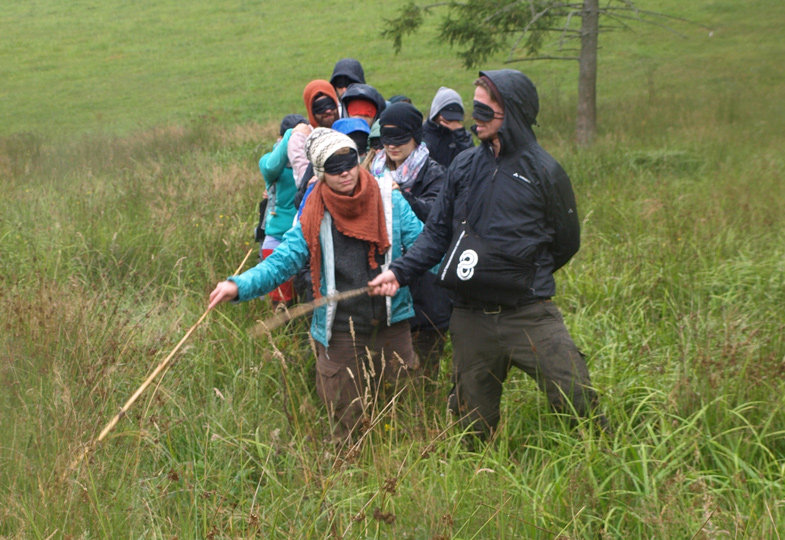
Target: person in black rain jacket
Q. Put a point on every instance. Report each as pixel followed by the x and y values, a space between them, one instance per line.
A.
pixel 502 313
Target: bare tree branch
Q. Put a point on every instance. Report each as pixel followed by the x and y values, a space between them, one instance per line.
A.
pixel 567 28
pixel 533 58
pixel 616 18
pixel 503 10
pixel 657 14
pixel 535 18
pixel 664 26
pixel 576 33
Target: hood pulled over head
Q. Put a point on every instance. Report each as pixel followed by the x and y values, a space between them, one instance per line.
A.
pixel 444 97
pixel 521 106
pixel 365 92
pixel 349 68
pixel 313 89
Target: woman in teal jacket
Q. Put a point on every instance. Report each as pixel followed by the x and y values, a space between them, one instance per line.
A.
pixel 281 189
pixel 352 227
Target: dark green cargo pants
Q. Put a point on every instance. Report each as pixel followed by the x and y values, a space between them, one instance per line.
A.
pixel 487 341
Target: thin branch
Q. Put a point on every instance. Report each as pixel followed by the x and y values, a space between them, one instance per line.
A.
pixel 567 28
pixel 534 14
pixel 657 14
pixel 163 365
pixel 545 29
pixel 533 58
pixel 694 536
pixel 535 18
pixel 614 27
pixel 645 21
pixel 616 18
pixel 271 323
pixel 506 8
pixel 563 29
pixel 577 5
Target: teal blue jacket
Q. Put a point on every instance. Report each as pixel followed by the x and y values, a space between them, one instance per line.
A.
pixel 403 227
pixel 277 174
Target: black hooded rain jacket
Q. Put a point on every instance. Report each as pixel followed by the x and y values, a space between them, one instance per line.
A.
pixel 502 198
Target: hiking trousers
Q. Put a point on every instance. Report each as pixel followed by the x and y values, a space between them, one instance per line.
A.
pixel 349 372
pixel 488 340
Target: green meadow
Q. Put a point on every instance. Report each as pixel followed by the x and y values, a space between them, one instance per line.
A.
pixel 129 140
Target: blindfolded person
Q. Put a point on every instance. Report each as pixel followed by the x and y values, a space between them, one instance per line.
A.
pixel 321 102
pixel 346 71
pixel 405 158
pixel 351 228
pixel 443 132
pixel 493 224
pixel 281 189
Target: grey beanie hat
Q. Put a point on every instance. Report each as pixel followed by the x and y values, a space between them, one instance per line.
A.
pixel 444 96
pixel 323 143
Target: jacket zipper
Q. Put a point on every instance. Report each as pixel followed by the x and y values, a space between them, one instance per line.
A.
pixel 454 249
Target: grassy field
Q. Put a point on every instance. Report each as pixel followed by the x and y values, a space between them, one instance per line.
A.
pixel 128 153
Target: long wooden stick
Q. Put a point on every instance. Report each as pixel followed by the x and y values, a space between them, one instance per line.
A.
pixel 113 422
pixel 271 323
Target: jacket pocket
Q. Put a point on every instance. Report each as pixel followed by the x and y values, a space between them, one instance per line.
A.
pixel 329 368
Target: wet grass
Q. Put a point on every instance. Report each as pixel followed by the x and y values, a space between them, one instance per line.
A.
pixel 109 244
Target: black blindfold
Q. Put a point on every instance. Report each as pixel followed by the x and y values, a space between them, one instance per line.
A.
pixel 395 136
pixel 322 105
pixel 338 163
pixel 484 113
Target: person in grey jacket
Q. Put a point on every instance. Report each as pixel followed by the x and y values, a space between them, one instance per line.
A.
pixel 443 132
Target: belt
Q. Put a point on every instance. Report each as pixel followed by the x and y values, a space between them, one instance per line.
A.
pixel 495 309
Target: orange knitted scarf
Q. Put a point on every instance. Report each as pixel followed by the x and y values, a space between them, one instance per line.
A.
pixel 360 215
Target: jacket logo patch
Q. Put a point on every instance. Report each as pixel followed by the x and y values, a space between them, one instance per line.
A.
pixel 466 263
pixel 521 177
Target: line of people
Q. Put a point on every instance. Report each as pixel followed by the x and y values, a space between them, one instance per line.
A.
pixel 346 211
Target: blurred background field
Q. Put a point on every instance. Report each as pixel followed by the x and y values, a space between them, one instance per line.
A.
pixel 116 67
pixel 129 143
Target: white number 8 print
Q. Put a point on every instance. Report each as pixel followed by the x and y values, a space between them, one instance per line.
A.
pixel 466 263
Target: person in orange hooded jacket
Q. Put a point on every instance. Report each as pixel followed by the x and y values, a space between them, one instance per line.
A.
pixel 321 102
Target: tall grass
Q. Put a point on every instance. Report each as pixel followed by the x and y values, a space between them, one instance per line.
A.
pixel 109 244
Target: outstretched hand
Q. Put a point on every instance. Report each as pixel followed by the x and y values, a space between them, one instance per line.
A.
pixel 223 292
pixel 385 284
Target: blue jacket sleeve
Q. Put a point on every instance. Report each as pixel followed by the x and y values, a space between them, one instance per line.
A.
pixel 273 163
pixel 410 225
pixel 283 263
